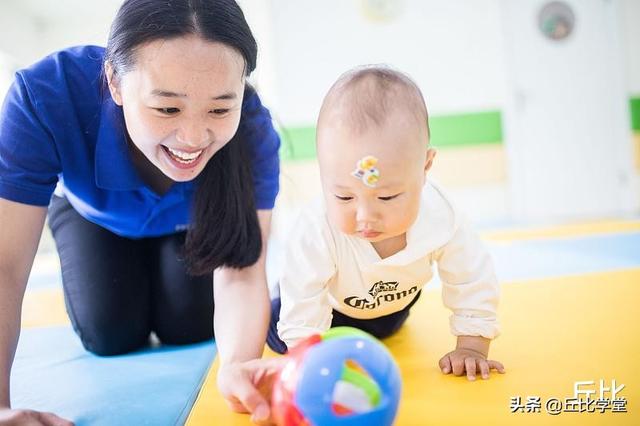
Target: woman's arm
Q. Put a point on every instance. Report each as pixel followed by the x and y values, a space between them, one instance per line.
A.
pixel 241 318
pixel 19 236
pixel 242 305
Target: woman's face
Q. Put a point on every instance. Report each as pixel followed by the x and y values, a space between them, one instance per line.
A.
pixel 181 102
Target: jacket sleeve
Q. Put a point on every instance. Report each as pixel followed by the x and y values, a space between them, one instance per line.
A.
pixel 309 266
pixel 470 288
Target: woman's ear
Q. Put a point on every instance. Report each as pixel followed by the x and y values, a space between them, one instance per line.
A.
pixel 113 83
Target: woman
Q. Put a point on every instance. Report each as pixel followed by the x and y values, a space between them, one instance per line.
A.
pixel 166 167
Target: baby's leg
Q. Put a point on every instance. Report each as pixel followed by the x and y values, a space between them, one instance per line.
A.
pixel 273 340
pixel 380 327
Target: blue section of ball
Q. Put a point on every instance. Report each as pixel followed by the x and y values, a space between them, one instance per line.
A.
pixel 322 369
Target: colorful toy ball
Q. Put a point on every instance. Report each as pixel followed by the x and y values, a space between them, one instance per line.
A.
pixel 342 377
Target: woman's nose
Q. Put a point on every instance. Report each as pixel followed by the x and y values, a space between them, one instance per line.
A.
pixel 193 134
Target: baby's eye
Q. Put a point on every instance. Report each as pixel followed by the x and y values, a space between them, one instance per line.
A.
pixel 168 111
pixel 344 198
pixel 388 198
pixel 220 111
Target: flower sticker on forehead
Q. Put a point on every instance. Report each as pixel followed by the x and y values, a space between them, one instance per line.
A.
pixel 367 171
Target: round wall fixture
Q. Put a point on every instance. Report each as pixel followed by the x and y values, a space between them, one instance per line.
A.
pixel 556 20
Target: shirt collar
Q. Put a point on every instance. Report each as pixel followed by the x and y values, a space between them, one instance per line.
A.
pixel 435 225
pixel 114 168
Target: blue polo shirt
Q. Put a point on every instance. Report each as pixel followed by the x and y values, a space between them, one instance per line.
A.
pixel 59 126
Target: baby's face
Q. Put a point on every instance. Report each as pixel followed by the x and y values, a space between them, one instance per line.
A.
pixel 390 207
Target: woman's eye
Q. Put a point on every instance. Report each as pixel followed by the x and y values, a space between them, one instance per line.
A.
pixel 220 111
pixel 168 111
pixel 343 198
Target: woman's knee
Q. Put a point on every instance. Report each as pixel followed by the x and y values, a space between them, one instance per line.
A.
pixel 185 332
pixel 112 339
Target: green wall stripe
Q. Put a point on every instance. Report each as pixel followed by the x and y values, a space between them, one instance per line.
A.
pixel 298 143
pixel 447 131
pixel 635 113
pixel 466 129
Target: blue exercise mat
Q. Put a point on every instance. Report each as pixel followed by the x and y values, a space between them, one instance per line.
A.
pixel 552 257
pixel 534 259
pixel 156 386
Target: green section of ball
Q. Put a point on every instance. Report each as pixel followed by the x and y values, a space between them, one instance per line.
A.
pixel 336 332
pixel 364 382
pixel 352 374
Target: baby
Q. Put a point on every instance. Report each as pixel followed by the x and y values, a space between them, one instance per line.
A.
pixel 361 257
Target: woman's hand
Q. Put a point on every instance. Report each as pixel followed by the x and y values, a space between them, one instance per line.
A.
pixel 247 386
pixel 9 417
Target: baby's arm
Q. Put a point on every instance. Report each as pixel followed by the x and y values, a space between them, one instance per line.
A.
pixel 304 311
pixel 470 289
pixel 304 291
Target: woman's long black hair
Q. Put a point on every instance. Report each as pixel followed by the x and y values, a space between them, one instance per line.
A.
pixel 225 230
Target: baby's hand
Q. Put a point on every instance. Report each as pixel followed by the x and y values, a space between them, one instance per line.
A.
pixel 466 360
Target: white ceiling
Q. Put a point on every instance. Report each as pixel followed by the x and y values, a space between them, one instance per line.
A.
pixel 59 10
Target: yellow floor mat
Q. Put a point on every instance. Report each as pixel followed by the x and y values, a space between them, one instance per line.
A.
pixel 44 308
pixel 555 332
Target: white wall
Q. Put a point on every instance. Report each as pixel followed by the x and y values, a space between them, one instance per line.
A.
pixel 631 44
pixel 259 16
pixel 19 36
pixel 31 29
pixel 453 49
pixel 20 33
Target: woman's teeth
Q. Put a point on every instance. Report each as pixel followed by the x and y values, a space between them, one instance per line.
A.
pixel 184 157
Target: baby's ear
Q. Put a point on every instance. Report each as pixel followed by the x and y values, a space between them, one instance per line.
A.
pixel 431 154
pixel 113 82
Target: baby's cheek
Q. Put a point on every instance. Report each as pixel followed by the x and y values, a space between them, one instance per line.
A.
pixel 344 221
pixel 405 219
pixel 347 226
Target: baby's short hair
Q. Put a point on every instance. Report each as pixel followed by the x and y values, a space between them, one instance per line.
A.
pixel 369 93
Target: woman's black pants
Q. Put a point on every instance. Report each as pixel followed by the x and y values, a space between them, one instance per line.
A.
pixel 118 290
